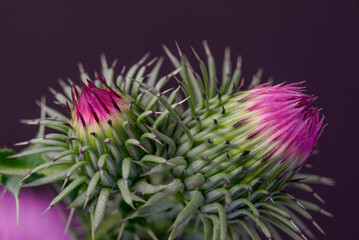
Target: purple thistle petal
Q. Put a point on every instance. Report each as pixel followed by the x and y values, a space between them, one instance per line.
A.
pixel 96 106
pixel 31 224
pixel 285 119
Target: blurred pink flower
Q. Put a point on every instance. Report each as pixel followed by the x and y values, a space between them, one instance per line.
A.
pixel 32 226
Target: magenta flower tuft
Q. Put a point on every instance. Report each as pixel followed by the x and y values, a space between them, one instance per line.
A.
pixel 94 108
pixel 285 121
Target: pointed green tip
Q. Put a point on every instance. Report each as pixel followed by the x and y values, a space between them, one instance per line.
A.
pixel 47 209
pixel 178 49
pixel 136 214
pixel 26 177
pixel 131 204
pixel 63 185
pixel 48 165
pixel 17 211
pixel 86 201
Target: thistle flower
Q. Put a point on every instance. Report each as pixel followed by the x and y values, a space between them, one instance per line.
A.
pixel 32 203
pixel 110 141
pixel 277 122
pixel 96 107
pixel 245 151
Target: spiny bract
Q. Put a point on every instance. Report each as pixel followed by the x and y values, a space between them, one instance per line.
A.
pixel 226 161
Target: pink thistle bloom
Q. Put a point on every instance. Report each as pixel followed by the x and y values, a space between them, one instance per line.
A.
pixel 282 121
pixel 94 108
pixel 31 224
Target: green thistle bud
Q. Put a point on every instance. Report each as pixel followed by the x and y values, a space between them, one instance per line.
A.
pixel 266 130
pixel 245 150
pixel 110 142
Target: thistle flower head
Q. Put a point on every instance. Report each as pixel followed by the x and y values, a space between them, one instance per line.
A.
pixel 95 107
pixel 246 150
pixel 283 120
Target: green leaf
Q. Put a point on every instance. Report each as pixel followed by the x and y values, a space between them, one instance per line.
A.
pixel 36 151
pixel 11 172
pixel 26 165
pixel 19 165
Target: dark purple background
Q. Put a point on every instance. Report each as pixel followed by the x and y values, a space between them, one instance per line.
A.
pixel 316 41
